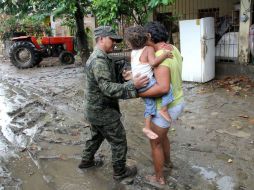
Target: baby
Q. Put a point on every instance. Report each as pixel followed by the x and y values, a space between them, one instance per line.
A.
pixel 143 60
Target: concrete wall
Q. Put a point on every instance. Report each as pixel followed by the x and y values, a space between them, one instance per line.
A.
pixel 188 9
pixel 225 69
pixel 59 30
pixel 244 53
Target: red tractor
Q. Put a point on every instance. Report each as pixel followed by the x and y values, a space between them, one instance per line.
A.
pixel 26 52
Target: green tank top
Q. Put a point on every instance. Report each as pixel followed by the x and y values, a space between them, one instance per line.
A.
pixel 175 66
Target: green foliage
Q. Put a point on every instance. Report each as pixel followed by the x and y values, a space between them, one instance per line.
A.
pixel 15 7
pixel 138 10
pixel 7 28
pixel 40 9
pixel 24 17
pixel 30 26
pixel 106 11
pixel 70 23
pixel 154 3
pixel 113 12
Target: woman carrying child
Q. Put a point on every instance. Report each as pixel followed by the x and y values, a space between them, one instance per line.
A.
pixel 143 60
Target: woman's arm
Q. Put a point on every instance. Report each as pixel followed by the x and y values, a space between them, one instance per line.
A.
pixel 162 76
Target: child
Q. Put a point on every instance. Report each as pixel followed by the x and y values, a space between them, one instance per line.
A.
pixel 142 61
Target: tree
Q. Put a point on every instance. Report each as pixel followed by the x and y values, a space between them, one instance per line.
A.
pixel 112 11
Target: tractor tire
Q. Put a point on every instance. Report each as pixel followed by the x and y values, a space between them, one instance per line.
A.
pixel 24 55
pixel 66 58
pixel 38 61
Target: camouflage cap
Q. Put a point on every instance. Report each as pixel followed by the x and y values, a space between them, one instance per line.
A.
pixel 104 31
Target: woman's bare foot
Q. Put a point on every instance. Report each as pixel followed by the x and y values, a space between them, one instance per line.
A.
pixel 154 181
pixel 165 115
pixel 150 134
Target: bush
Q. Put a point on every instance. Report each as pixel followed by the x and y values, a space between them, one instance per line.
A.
pixel 12 27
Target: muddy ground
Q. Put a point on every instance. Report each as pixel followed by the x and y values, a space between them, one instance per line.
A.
pixel 43 133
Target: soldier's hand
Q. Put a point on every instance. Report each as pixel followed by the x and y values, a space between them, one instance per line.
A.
pixel 127 74
pixel 140 81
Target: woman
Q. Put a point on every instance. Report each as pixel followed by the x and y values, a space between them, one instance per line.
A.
pixel 167 72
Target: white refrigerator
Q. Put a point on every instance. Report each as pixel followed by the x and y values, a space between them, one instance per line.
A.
pixel 197 42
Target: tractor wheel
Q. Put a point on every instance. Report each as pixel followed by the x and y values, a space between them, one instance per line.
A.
pixel 38 61
pixel 66 58
pixel 24 55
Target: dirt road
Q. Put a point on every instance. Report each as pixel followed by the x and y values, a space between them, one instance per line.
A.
pixel 43 133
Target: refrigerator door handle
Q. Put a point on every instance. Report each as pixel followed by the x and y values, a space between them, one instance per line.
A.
pixel 203 49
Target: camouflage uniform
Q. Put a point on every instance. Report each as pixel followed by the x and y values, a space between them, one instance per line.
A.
pixel 102 109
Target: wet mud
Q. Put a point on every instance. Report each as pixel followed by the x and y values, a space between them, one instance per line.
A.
pixel 43 132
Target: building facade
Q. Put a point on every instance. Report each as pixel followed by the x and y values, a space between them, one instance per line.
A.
pixel 233 19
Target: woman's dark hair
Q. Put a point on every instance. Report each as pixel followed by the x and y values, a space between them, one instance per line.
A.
pixel 136 36
pixel 158 31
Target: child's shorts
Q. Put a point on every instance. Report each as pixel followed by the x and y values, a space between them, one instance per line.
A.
pixel 151 82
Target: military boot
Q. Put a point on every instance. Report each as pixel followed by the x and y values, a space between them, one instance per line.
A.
pixel 129 171
pixel 88 164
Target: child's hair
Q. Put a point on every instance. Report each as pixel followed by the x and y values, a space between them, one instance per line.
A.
pixel 136 36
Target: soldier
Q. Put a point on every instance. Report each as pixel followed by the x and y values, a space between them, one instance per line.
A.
pixel 101 104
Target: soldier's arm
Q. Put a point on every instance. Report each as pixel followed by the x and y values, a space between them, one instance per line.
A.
pixel 111 89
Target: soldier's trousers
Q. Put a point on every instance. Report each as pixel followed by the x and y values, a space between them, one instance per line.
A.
pixel 115 134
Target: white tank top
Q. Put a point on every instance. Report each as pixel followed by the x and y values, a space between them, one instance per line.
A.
pixel 137 67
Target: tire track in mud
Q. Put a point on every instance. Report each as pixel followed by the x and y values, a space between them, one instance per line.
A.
pixel 29 113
